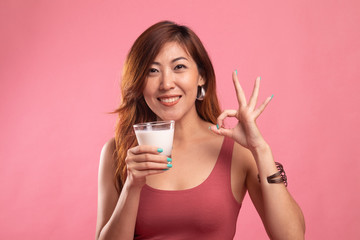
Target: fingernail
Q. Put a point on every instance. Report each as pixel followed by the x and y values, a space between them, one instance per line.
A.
pixel 160 150
pixel 169 159
pixel 169 165
pixel 217 126
pixel 165 169
pixel 236 72
pixel 272 96
pixel 209 127
pixel 259 78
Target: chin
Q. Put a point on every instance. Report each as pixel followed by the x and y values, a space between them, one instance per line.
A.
pixel 168 117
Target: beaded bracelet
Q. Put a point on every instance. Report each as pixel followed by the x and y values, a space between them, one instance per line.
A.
pixel 278 177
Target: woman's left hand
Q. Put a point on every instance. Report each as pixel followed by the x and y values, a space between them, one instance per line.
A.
pixel 246 131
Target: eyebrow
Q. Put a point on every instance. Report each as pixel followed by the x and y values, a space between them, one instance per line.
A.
pixel 174 60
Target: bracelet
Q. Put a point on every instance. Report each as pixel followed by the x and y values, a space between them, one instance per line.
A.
pixel 278 177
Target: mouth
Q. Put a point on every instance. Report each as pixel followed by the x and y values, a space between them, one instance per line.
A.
pixel 169 100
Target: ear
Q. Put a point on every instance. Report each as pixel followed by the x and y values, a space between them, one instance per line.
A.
pixel 201 81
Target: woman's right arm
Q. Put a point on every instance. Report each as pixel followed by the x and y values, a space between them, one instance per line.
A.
pixel 116 214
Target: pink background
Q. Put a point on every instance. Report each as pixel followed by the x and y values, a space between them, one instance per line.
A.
pixel 60 65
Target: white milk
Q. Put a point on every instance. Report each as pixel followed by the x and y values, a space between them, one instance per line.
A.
pixel 159 138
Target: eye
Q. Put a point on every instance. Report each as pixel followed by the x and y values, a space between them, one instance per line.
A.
pixel 180 66
pixel 153 70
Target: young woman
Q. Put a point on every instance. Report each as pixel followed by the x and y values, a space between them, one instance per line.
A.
pixel 168 76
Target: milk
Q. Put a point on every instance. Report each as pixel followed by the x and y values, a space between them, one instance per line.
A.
pixel 160 138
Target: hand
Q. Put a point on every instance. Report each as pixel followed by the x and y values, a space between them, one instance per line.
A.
pixel 142 161
pixel 246 131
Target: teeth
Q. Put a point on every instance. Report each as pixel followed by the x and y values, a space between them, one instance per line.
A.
pixel 169 100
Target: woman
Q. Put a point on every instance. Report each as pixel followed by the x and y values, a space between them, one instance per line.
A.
pixel 169 76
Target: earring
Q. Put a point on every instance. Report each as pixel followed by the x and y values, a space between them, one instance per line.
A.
pixel 200 93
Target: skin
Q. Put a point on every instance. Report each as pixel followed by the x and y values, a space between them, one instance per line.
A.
pixel 170 92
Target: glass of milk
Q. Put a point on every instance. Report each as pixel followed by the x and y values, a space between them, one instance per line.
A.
pixel 159 134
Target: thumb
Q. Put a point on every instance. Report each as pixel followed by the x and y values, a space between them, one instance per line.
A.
pixel 226 132
pixel 222 131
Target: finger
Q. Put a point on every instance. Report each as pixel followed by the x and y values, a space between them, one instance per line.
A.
pixel 152 172
pixel 145 166
pixel 141 174
pixel 144 149
pixel 224 132
pixel 136 166
pixel 148 157
pixel 223 115
pixel 239 91
pixel 262 107
pixel 255 94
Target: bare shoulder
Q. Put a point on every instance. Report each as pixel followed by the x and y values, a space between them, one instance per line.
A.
pixel 107 193
pixel 241 167
pixel 109 147
pixel 107 160
pixel 107 156
pixel 243 159
pixel 244 163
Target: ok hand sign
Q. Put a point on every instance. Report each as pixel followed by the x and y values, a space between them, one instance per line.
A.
pixel 246 131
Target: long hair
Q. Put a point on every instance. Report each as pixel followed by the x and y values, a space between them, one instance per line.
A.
pixel 133 108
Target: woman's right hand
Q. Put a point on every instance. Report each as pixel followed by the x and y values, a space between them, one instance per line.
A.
pixel 142 161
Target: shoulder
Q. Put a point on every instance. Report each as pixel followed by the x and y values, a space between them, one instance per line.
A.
pixel 242 166
pixel 107 158
pixel 108 150
pixel 107 192
pixel 109 146
pixel 243 158
pixel 108 166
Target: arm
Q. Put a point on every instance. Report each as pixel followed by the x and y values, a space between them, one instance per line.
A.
pixel 279 212
pixel 281 215
pixel 116 215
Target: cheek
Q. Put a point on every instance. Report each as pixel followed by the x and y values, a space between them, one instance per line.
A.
pixel 148 98
pixel 148 91
pixel 149 94
pixel 191 88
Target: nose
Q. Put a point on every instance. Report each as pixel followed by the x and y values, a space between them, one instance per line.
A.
pixel 167 81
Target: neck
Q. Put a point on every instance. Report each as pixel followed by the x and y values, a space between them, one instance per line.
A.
pixel 187 131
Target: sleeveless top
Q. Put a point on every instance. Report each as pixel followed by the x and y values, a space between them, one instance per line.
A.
pixel 207 211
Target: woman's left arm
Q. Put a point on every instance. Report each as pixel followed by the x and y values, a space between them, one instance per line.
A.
pixel 281 215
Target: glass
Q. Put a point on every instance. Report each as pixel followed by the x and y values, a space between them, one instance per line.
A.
pixel 159 134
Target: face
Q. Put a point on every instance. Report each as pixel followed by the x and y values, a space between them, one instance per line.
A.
pixel 172 82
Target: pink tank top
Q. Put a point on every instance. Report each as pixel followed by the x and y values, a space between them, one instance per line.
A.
pixel 207 211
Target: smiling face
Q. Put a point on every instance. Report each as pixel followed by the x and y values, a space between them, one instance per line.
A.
pixel 172 82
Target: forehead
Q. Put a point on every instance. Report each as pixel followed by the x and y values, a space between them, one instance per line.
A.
pixel 172 50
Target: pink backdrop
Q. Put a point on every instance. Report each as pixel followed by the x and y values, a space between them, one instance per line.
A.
pixel 60 65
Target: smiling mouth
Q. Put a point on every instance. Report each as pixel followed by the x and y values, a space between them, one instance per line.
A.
pixel 169 101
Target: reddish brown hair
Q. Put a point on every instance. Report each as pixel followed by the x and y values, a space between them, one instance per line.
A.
pixel 133 108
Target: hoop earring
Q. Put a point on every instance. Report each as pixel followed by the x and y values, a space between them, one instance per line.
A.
pixel 200 93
